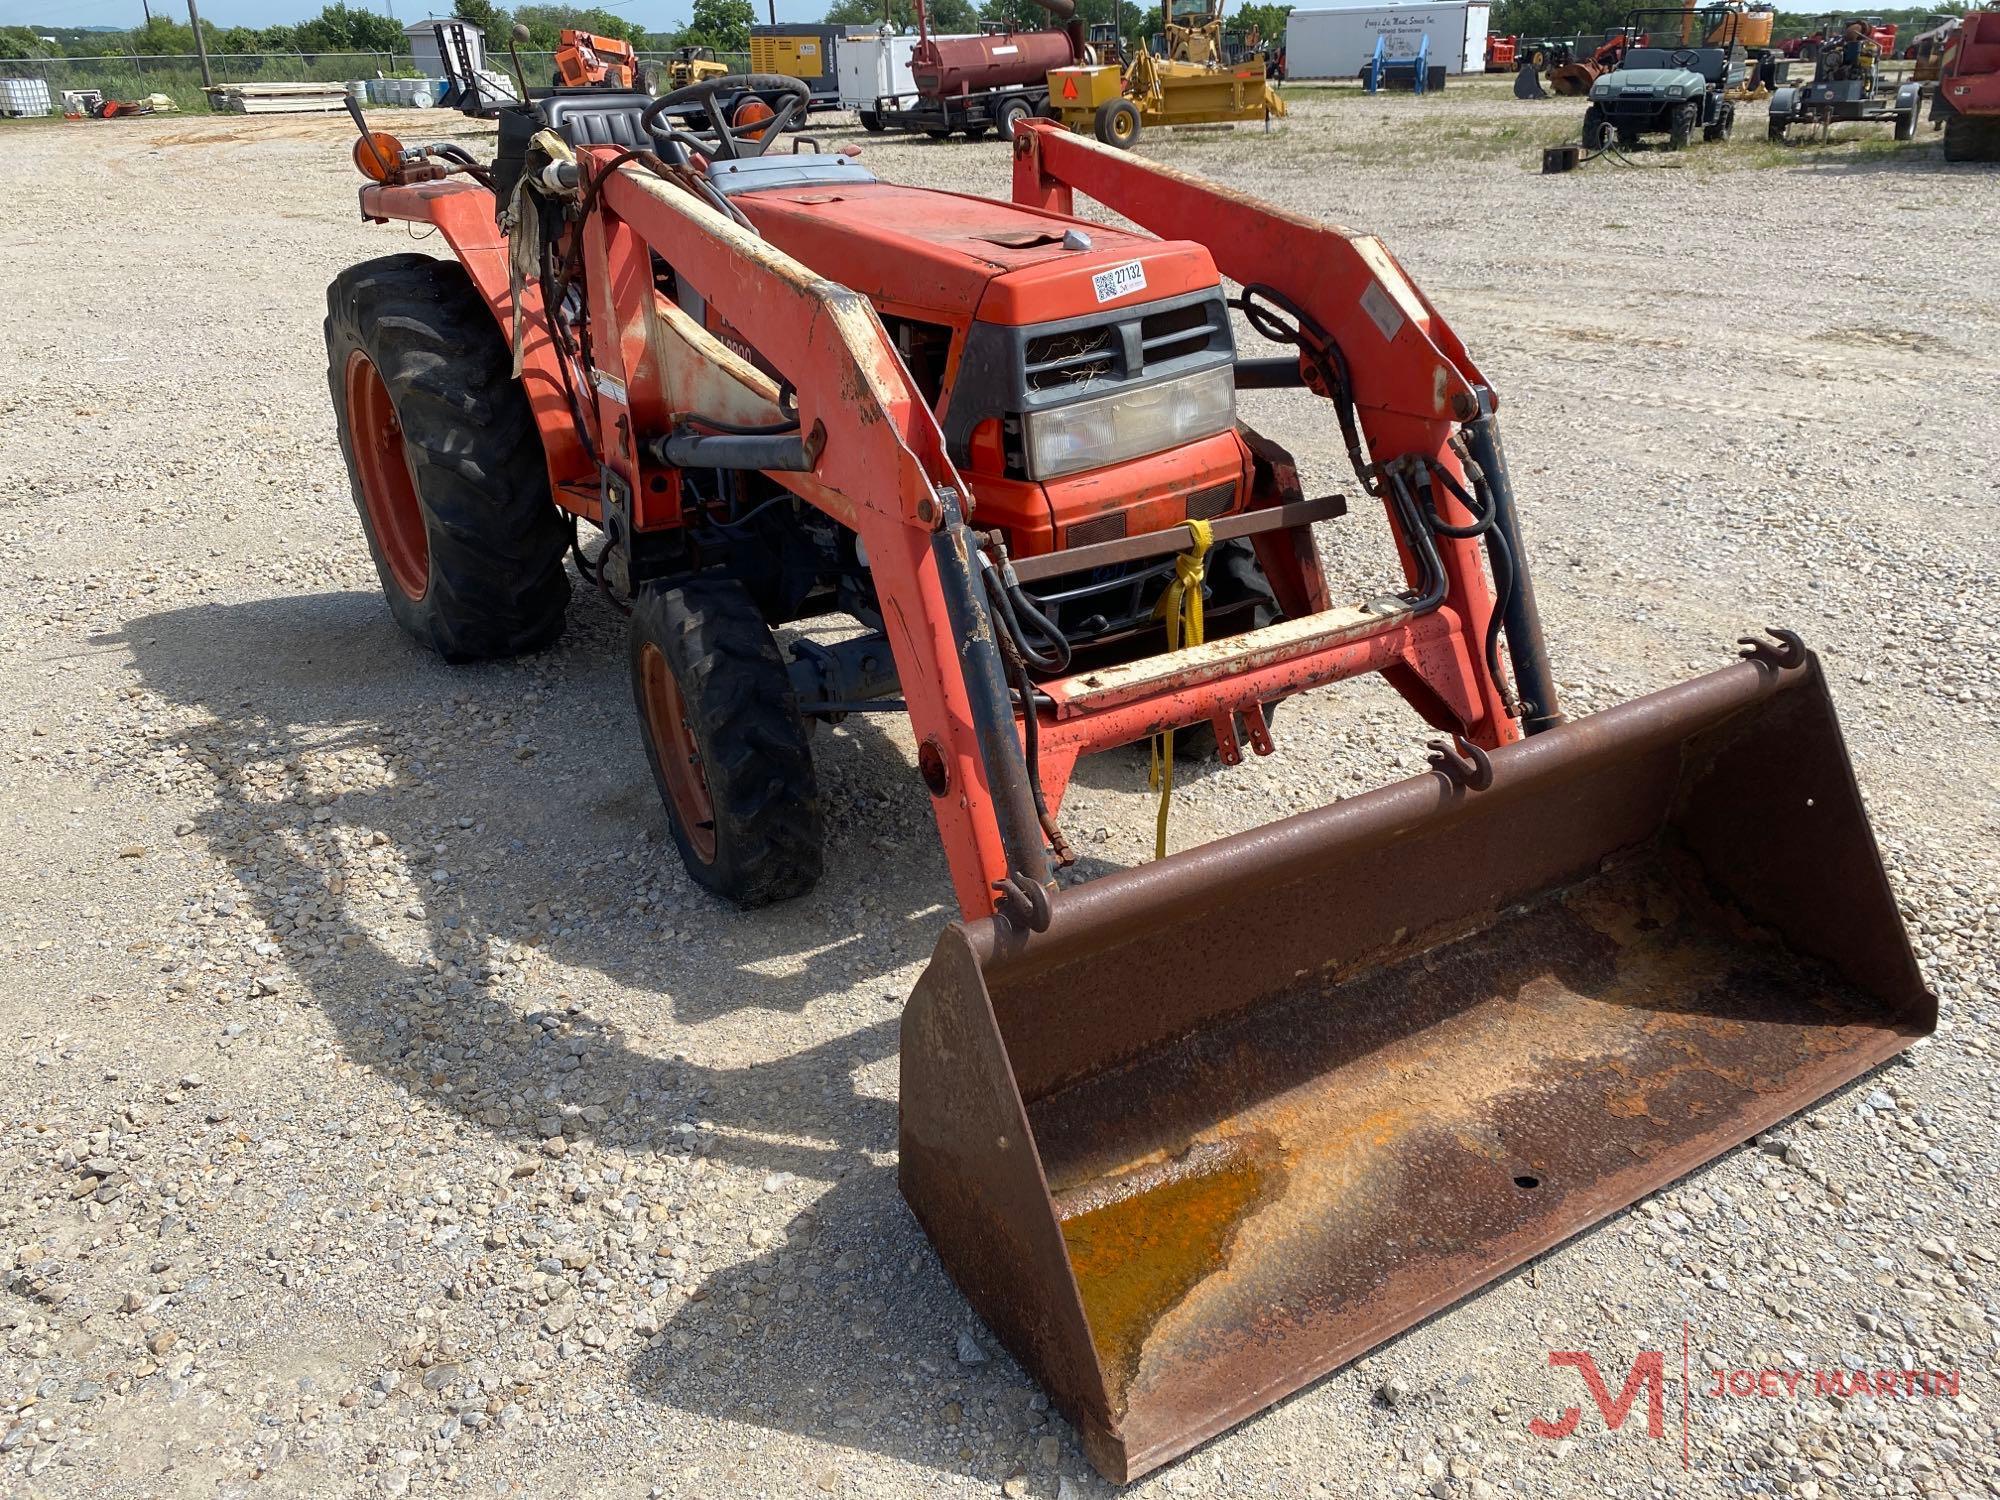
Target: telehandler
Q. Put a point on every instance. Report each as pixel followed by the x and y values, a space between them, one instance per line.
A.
pixel 1188 1135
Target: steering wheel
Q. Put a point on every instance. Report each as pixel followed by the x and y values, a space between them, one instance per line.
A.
pixel 719 139
pixel 1685 57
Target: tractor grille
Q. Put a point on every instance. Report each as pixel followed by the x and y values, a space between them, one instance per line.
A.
pixel 1206 505
pixel 1054 360
pixel 1104 528
pixel 1132 345
pixel 1175 332
pixel 1202 505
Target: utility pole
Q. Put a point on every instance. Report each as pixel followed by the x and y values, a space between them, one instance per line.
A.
pixel 200 45
pixel 148 10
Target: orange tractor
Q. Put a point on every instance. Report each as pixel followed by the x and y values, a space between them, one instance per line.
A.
pixel 1192 1133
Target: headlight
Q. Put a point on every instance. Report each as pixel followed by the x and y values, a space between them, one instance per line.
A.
pixel 1601 91
pixel 1676 90
pixel 1130 424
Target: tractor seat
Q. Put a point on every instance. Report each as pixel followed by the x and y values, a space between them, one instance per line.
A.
pixel 599 117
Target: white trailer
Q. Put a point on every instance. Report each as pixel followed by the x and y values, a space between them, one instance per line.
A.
pixel 424 54
pixel 875 67
pixel 1337 42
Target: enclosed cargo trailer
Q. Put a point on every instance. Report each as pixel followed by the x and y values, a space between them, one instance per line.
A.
pixel 1339 42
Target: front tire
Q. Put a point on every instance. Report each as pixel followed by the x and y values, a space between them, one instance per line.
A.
pixel 1680 129
pixel 1117 123
pixel 1597 130
pixel 727 746
pixel 444 459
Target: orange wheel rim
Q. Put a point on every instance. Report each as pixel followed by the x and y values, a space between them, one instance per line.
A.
pixel 388 489
pixel 678 756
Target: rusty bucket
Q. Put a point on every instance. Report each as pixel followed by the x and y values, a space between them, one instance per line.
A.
pixel 1238 1116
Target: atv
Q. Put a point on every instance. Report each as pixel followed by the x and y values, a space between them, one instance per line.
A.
pixel 1673 85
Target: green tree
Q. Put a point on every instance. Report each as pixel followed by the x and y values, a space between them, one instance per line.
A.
pixel 1558 17
pixel 342 28
pixel 488 17
pixel 157 37
pixel 721 24
pixel 945 15
pixel 546 23
pixel 1268 21
pixel 19 41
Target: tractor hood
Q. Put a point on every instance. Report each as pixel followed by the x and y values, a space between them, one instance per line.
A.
pixel 1655 83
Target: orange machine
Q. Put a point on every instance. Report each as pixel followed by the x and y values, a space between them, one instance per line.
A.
pixel 1967 101
pixel 585 60
pixel 1192 1133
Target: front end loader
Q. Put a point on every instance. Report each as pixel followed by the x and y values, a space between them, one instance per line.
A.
pixel 1191 1134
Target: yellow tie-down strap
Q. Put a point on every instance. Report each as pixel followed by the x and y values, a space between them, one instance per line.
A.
pixel 1180 607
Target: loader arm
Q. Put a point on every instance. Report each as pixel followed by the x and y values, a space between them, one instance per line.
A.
pixel 877 464
pixel 877 458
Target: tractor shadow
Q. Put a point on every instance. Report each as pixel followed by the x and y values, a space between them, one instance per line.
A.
pixel 544 820
pixel 316 729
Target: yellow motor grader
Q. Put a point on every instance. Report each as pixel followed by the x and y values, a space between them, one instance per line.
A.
pixel 1191 85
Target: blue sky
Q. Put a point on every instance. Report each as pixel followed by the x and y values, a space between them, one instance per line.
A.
pixel 655 15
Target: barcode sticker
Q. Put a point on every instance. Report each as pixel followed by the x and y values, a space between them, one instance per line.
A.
pixel 1120 281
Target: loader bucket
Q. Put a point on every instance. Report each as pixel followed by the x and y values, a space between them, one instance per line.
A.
pixel 1240 1115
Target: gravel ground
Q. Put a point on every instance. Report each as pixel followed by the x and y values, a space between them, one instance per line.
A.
pixel 386 1114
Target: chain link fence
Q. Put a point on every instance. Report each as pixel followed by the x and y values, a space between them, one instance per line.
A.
pixel 178 76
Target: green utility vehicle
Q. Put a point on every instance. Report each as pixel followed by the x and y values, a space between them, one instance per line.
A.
pixel 1671 82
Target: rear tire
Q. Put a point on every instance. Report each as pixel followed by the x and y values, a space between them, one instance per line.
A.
pixel 1969 139
pixel 1776 129
pixel 444 459
pixel 1011 114
pixel 871 122
pixel 1906 125
pixel 1117 123
pixel 727 746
